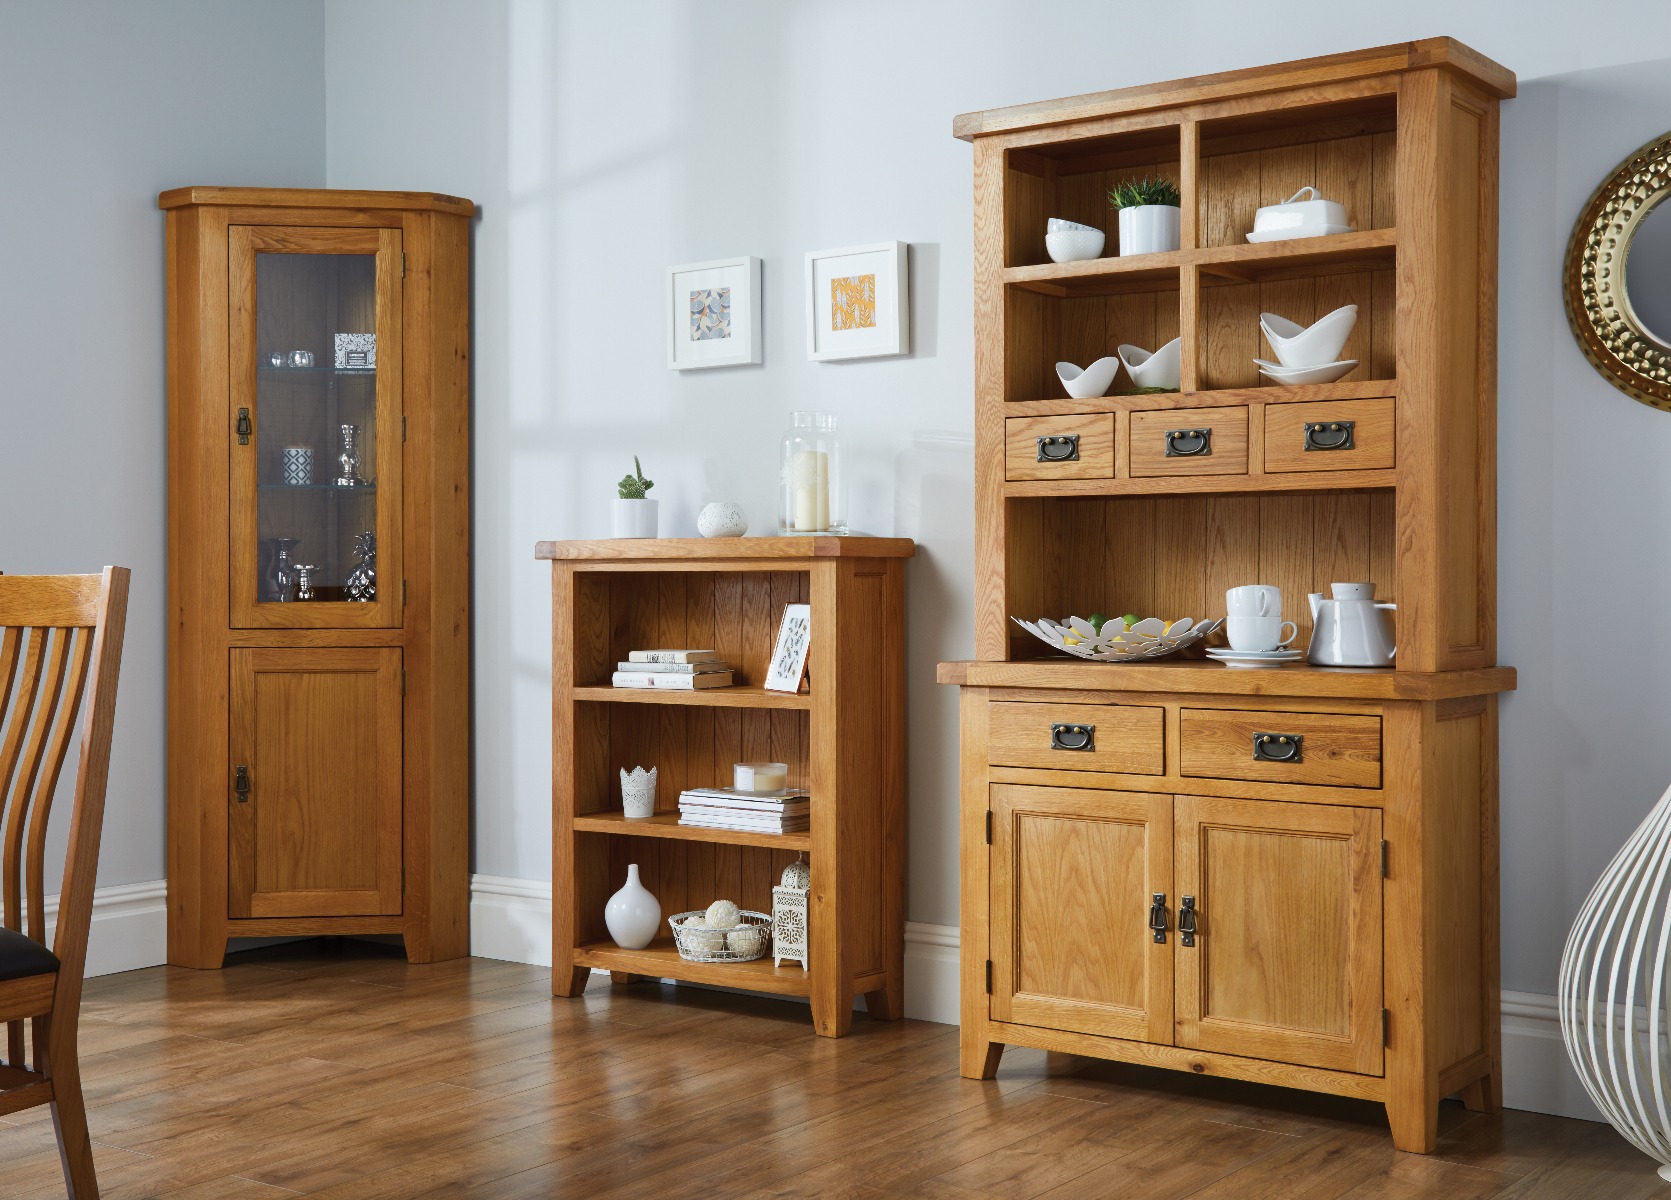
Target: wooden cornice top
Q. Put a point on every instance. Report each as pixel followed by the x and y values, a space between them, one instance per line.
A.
pixel 1211 678
pixel 247 197
pixel 786 548
pixel 1332 68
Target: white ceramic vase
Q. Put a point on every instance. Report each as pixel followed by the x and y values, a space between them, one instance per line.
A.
pixel 632 518
pixel 632 914
pixel 638 793
pixel 1149 229
pixel 721 519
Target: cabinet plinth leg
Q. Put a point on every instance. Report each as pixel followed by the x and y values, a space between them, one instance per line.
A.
pixel 199 956
pixel 572 983
pixel 886 1003
pixel 1415 1125
pixel 1485 1094
pixel 620 979
pixel 978 1057
pixel 831 1017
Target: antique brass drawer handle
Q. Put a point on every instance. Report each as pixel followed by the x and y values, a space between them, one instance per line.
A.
pixel 1189 443
pixel 1186 920
pixel 1329 435
pixel 1063 447
pixel 240 783
pixel 1277 747
pixel 1073 737
pixel 1157 916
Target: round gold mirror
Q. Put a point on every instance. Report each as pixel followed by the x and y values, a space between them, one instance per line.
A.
pixel 1618 276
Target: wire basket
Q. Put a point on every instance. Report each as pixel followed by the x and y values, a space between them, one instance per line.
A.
pixel 744 942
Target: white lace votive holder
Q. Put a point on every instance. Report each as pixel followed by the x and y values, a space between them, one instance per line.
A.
pixel 298 465
pixel 638 793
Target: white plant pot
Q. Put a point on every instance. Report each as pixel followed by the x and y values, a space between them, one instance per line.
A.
pixel 638 793
pixel 632 915
pixel 1149 229
pixel 632 518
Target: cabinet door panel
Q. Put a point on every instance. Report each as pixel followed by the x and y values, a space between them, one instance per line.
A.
pixel 1287 961
pixel 1073 873
pixel 319 834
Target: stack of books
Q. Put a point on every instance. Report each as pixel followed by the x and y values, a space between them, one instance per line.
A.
pixel 727 808
pixel 680 670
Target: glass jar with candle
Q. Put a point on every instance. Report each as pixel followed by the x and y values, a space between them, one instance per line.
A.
pixel 811 499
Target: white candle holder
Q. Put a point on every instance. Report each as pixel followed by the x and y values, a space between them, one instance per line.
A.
pixel 638 793
pixel 811 496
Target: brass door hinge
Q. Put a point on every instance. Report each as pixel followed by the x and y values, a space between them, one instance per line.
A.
pixel 1383 859
pixel 989 827
pixel 403 427
pixel 403 593
pixel 403 264
pixel 989 977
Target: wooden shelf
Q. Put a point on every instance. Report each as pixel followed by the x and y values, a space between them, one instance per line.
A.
pixel 666 825
pixel 1211 678
pixel 1350 389
pixel 1368 250
pixel 785 548
pixel 740 696
pixel 661 960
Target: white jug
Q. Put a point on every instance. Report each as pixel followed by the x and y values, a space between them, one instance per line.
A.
pixel 1351 630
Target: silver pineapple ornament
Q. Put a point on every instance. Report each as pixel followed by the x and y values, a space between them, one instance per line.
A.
pixel 361 583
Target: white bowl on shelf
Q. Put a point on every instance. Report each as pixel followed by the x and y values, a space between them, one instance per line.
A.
pixel 1295 376
pixel 1074 245
pixel 1063 225
pixel 1314 345
pixel 1162 369
pixel 1149 638
pixel 1092 381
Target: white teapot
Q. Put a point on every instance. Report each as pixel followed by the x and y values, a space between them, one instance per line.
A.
pixel 1351 630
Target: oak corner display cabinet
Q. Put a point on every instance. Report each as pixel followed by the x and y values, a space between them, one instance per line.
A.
pixel 1149 886
pixel 318 567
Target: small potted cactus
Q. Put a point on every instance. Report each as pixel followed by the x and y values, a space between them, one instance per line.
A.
pixel 633 514
pixel 1149 211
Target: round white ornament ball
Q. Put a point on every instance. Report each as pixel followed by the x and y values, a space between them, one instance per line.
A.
pixel 749 939
pixel 721 519
pixel 704 941
pixel 722 914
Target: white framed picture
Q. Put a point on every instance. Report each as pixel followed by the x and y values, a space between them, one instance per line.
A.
pixel 713 314
pixel 794 639
pixel 858 302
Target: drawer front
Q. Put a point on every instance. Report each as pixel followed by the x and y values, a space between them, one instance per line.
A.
pixel 1337 435
pixel 1321 748
pixel 1128 739
pixel 1189 441
pixel 1059 447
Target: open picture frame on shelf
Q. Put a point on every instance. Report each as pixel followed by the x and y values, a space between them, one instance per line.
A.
pixel 858 302
pixel 794 639
pixel 713 314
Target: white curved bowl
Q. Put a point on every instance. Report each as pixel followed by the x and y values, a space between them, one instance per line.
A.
pixel 1090 382
pixel 1293 376
pixel 1072 245
pixel 1163 369
pixel 1063 225
pixel 1149 638
pixel 1313 345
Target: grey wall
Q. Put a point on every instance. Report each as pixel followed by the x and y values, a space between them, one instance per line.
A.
pixel 608 142
pixel 107 104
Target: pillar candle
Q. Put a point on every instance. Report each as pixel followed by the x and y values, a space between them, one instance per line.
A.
pixel 810 477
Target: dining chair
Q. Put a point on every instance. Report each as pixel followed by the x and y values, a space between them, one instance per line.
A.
pixel 60 642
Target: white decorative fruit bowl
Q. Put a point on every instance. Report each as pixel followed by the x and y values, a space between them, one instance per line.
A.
pixel 1148 638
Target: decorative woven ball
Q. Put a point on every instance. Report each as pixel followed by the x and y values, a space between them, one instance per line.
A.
pixel 722 914
pixel 750 939
pixel 699 921
pixel 721 519
pixel 797 875
pixel 704 941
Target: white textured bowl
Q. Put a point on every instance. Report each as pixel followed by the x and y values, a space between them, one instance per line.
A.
pixel 1092 381
pixel 1294 376
pixel 1162 369
pixel 1149 638
pixel 1063 225
pixel 1314 345
pixel 1072 245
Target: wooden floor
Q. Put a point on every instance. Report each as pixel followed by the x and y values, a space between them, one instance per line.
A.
pixel 335 1070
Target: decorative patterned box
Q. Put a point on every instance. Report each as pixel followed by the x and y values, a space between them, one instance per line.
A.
pixel 356 351
pixel 298 465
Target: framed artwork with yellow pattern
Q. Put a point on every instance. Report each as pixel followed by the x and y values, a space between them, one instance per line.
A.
pixel 858 302
pixel 713 314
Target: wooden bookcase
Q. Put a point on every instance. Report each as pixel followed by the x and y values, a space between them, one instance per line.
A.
pixel 844 740
pixel 1346 904
pixel 318 748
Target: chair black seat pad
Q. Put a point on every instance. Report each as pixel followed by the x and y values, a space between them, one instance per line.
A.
pixel 21 957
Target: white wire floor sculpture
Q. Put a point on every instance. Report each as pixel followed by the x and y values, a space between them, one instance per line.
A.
pixel 1613 997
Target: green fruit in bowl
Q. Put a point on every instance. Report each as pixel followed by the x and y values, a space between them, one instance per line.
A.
pixel 1096 621
pixel 1129 620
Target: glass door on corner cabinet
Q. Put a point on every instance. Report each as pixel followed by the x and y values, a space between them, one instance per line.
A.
pixel 316 426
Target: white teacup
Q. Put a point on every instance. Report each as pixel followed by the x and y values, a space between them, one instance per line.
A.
pixel 1259 634
pixel 1254 600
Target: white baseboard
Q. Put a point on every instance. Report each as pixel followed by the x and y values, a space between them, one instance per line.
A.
pixel 129 928
pixel 511 919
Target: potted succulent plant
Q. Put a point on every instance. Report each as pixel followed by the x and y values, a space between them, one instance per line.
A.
pixel 1149 212
pixel 633 514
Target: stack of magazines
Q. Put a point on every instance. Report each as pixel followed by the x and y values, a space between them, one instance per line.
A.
pixel 681 670
pixel 756 812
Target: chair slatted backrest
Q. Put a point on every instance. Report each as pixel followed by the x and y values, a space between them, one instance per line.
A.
pixel 57 632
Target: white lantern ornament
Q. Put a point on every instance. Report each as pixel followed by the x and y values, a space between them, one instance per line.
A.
pixel 789 913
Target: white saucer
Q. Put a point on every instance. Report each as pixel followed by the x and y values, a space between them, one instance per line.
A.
pixel 1298 231
pixel 1254 658
pixel 1295 376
